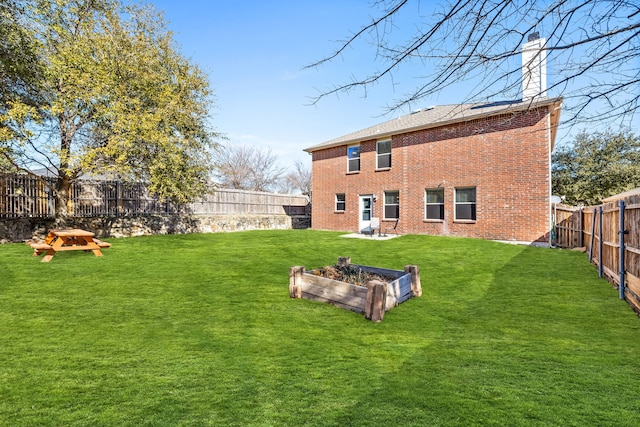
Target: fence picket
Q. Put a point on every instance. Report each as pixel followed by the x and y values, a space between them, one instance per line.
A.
pixel 611 232
pixel 27 196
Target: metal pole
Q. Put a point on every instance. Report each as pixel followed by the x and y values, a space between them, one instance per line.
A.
pixel 554 235
pixel 622 249
pixel 593 234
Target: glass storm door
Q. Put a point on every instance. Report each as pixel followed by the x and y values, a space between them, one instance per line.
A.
pixel 366 211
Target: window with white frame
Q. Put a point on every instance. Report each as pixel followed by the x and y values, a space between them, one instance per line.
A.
pixel 353 158
pixel 383 150
pixel 434 204
pixel 341 202
pixel 465 206
pixel 391 204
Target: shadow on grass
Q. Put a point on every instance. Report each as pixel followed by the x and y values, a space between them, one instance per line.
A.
pixel 543 341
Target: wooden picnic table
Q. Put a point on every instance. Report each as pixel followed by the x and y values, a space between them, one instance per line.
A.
pixel 68 240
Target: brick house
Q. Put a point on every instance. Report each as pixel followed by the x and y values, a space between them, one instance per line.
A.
pixel 473 170
pixel 464 170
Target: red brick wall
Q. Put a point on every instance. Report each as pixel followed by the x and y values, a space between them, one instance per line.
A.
pixel 505 157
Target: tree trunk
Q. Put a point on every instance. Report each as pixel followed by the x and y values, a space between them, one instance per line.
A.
pixel 63 183
pixel 63 187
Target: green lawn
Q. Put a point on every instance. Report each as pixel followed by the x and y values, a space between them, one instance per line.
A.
pixel 200 330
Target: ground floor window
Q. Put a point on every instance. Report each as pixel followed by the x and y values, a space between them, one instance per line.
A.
pixel 465 207
pixel 434 204
pixel 341 202
pixel 391 204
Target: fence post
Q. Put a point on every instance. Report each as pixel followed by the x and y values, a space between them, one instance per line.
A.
pixel 295 281
pixel 593 234
pixel 376 300
pixel 600 244
pixel 622 232
pixel 580 222
pixel 416 286
pixel 117 198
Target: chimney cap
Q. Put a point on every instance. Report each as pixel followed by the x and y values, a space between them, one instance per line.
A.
pixel 533 36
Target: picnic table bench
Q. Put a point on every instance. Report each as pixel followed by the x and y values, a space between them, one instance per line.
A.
pixel 68 240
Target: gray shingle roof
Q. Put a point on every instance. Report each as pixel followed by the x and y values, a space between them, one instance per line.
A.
pixel 432 117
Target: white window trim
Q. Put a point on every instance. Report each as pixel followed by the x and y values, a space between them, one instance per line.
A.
pixel 456 203
pixel 384 204
pixel 378 155
pixel 426 204
pixel 344 201
pixel 349 159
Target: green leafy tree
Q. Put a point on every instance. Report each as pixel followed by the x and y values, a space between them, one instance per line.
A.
pixel 5 164
pixel 19 71
pixel 115 96
pixel 596 166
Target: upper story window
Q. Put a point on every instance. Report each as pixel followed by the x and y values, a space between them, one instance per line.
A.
pixel 465 204
pixel 383 150
pixel 353 158
pixel 341 202
pixel 391 204
pixel 434 204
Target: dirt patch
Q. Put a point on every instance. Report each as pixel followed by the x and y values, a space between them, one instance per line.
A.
pixel 349 274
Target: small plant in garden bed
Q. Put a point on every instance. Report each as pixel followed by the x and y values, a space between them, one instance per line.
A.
pixel 350 274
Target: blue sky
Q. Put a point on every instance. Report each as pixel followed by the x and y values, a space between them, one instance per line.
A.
pixel 254 53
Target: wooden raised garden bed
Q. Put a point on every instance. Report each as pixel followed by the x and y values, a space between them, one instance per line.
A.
pixel 359 288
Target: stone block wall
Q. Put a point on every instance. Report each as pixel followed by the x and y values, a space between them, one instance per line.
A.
pixel 23 229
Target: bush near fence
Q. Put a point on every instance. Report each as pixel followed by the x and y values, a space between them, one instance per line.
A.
pixel 610 235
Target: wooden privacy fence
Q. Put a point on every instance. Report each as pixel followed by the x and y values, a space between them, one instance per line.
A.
pixel 373 300
pixel 610 234
pixel 224 201
pixel 23 196
pixel 568 227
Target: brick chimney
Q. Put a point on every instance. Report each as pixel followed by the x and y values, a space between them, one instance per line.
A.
pixel 534 68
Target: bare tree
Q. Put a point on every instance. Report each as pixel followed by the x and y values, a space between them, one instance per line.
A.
pixel 299 179
pixel 247 168
pixel 593 45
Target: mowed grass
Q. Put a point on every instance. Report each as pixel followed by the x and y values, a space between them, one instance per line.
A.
pixel 200 330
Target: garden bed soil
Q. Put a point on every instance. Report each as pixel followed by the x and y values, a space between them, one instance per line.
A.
pixel 349 274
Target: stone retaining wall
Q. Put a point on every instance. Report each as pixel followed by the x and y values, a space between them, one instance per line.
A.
pixel 23 229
